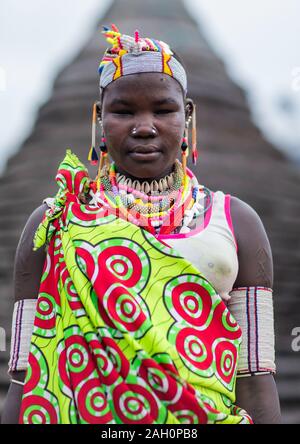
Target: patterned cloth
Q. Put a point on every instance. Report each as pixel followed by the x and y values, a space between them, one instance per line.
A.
pixel 126 330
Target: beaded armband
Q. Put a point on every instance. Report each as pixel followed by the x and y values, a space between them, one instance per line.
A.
pixel 22 326
pixel 252 308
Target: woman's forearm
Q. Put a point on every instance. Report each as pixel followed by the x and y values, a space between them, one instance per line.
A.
pixel 259 397
pixel 13 400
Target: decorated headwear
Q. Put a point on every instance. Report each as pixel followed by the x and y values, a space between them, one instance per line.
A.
pixel 132 55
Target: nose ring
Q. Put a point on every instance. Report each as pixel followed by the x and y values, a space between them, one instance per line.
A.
pixel 154 132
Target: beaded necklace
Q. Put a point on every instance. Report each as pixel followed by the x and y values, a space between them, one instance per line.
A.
pixel 158 212
pixel 152 199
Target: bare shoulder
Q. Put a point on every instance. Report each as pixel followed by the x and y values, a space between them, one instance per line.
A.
pixel 247 223
pixel 33 221
pixel 241 209
pixel 28 263
pixel 254 250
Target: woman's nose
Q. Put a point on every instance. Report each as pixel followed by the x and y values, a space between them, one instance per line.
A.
pixel 144 128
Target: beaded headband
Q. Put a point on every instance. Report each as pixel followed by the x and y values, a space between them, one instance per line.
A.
pixel 132 55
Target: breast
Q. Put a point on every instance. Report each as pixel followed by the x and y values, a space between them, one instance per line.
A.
pixel 214 255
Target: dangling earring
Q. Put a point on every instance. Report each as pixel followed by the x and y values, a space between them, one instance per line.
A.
pixel 185 149
pixel 103 159
pixel 93 156
pixel 194 137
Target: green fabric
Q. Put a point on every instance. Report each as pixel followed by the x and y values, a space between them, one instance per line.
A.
pixel 126 330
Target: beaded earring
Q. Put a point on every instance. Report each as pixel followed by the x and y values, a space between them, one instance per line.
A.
pixel 185 143
pixel 185 149
pixel 194 136
pixel 103 160
pixel 93 156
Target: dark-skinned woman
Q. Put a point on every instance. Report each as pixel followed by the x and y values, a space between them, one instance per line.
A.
pixel 147 298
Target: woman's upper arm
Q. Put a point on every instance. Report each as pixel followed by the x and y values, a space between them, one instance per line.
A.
pixel 28 266
pixel 254 251
pixel 257 394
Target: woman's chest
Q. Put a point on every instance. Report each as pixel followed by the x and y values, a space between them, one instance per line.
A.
pixel 213 255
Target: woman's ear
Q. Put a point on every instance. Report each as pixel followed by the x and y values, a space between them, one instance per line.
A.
pixel 189 107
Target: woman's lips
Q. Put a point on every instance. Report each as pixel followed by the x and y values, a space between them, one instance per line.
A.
pixel 145 152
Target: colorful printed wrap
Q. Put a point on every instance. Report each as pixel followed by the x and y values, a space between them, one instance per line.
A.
pixel 126 330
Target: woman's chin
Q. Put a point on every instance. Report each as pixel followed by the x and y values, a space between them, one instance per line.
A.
pixel 144 173
pixel 144 169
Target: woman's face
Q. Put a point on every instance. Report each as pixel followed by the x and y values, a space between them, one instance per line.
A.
pixel 143 117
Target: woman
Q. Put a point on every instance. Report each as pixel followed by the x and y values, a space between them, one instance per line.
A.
pixel 154 293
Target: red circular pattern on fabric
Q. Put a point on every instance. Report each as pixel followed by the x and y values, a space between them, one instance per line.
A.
pixel 121 389
pixel 192 355
pixel 99 416
pixel 76 340
pixel 197 291
pixel 35 374
pixel 112 304
pixel 45 324
pixel 38 401
pixel 113 350
pixel 228 352
pixel 135 263
pixel 168 380
pixel 41 310
pixel 124 264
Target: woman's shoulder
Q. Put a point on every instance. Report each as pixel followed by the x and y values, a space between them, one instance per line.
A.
pixel 33 221
pixel 245 219
pixel 242 209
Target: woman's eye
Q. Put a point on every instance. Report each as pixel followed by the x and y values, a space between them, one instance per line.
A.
pixel 123 111
pixel 164 111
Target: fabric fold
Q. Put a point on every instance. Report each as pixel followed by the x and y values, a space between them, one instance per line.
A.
pixel 126 329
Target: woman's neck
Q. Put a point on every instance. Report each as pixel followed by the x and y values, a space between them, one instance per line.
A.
pixel 120 171
pixel 161 183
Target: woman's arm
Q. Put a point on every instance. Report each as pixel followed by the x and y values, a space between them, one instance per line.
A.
pixel 256 394
pixel 28 269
